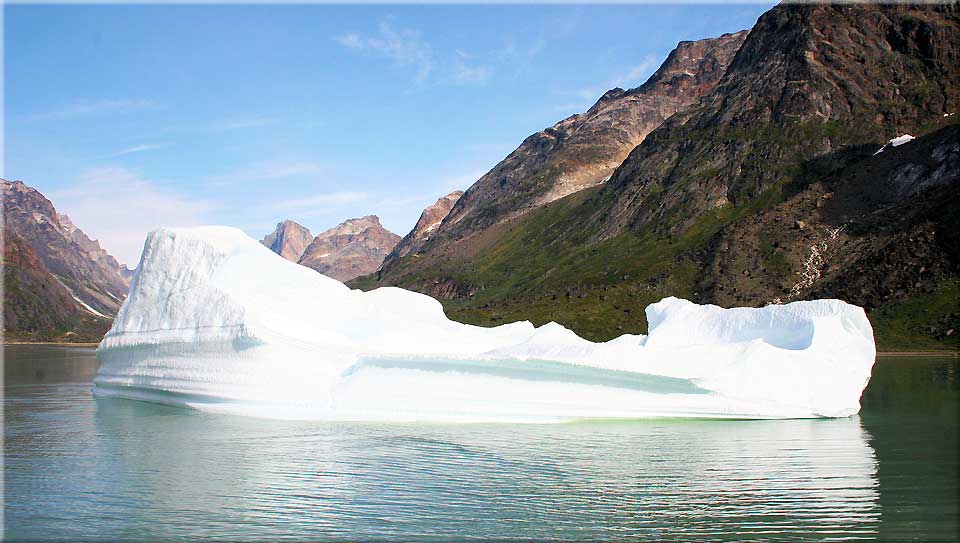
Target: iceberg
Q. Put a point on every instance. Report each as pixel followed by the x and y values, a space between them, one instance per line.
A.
pixel 216 321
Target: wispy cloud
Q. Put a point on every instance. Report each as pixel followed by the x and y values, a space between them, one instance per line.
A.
pixel 466 74
pixel 268 172
pixel 119 207
pixel 82 108
pixel 637 74
pixel 628 78
pixel 323 200
pixel 137 149
pixel 224 125
pixel 406 47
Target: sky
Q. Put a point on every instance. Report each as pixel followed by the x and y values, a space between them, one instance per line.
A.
pixel 132 117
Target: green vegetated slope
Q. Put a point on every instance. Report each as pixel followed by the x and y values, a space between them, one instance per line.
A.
pixel 770 189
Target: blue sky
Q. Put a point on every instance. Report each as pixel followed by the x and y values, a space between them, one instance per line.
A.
pixel 133 117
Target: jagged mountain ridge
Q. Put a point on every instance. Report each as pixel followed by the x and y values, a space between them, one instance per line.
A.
pixel 812 94
pixel 84 268
pixel 353 248
pixel 583 150
pixel 809 80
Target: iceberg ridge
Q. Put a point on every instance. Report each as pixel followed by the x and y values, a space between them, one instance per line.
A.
pixel 217 321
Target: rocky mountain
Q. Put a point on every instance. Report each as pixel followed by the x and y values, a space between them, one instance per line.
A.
pixel 288 240
pixel 767 189
pixel 809 81
pixel 583 150
pixel 353 248
pixel 60 283
pixel 428 223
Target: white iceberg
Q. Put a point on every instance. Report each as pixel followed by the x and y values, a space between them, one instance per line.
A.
pixel 217 321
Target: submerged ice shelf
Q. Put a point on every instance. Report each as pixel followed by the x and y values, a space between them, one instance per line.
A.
pixel 217 321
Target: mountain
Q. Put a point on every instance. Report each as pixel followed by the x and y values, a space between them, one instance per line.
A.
pixel 428 223
pixel 809 81
pixel 60 284
pixel 288 240
pixel 583 150
pixel 767 189
pixel 353 248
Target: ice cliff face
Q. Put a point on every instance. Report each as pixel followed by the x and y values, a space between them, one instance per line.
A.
pixel 215 320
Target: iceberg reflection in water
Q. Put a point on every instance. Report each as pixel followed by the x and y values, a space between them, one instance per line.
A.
pixel 252 478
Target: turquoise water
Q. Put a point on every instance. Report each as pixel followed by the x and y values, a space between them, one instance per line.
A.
pixel 78 468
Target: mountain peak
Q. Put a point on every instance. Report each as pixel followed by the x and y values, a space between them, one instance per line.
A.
pixel 288 240
pixel 353 248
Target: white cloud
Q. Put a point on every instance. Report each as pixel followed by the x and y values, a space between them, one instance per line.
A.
pixel 406 47
pixel 83 108
pixel 118 207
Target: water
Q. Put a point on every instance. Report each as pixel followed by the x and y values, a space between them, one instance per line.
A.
pixel 79 468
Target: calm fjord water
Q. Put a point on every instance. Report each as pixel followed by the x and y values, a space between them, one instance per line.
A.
pixel 78 468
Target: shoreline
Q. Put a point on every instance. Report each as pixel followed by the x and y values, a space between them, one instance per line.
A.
pixel 919 353
pixel 94 344
pixel 54 343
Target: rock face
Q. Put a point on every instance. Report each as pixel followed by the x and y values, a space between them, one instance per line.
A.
pixel 288 240
pixel 809 80
pixel 768 188
pixel 60 282
pixel 353 248
pixel 428 223
pixel 583 150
